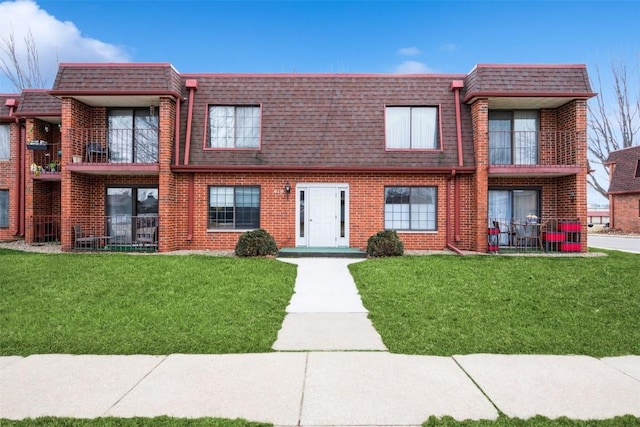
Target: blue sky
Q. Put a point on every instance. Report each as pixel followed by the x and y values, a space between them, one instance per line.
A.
pixel 328 36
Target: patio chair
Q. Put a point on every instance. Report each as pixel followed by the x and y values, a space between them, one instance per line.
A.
pixel 146 236
pixel 97 151
pixel 504 230
pixel 81 241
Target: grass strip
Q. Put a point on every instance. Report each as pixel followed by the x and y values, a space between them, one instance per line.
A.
pixel 140 304
pixel 446 305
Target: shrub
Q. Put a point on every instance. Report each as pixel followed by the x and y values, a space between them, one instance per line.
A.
pixel 385 243
pixel 256 243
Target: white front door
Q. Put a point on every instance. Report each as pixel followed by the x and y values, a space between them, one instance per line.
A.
pixel 322 215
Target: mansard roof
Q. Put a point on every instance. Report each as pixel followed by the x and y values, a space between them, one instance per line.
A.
pixel 327 121
pixel 38 103
pixel 111 78
pixel 626 173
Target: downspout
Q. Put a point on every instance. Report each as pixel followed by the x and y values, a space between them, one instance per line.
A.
pixel 176 136
pixel 12 104
pixel 456 86
pixel 192 85
pixel 22 176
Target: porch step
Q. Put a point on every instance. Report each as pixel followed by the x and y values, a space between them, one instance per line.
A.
pixel 321 253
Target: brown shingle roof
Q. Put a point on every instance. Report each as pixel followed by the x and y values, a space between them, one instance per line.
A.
pixel 528 80
pixel 327 121
pixel 627 162
pixel 38 102
pixel 160 78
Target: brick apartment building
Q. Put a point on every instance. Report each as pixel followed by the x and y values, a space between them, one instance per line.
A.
pixel 624 189
pixel 131 156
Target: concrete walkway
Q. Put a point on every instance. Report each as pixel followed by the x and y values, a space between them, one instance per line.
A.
pixel 321 388
pixel 326 311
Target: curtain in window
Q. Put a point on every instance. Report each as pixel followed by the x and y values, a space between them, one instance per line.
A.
pixel 423 128
pixel 5 144
pixel 398 131
pixel 411 127
pixel 4 208
pixel 234 127
pixel 247 127
pixel 525 127
pixel 221 126
pixel 500 138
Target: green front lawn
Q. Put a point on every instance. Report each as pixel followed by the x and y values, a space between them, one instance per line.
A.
pixel 502 421
pixel 140 304
pixel 445 305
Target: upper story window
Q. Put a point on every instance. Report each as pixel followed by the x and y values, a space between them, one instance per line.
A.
pixel 5 144
pixel 411 128
pixel 133 135
pixel 4 208
pixel 513 137
pixel 234 126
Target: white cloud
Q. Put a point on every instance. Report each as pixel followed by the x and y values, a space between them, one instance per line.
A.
pixel 412 67
pixel 448 47
pixel 56 41
pixel 409 51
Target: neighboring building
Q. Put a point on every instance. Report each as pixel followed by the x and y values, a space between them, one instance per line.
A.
pixel 624 189
pixel 146 157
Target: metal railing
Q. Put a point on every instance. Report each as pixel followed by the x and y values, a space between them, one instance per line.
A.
pixel 122 146
pixel 117 233
pixel 532 234
pixel 46 229
pixel 46 160
pixel 532 148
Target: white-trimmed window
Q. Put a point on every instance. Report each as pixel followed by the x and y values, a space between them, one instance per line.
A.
pixel 234 207
pixel 411 128
pixel 410 208
pixel 234 126
pixel 5 143
pixel 4 208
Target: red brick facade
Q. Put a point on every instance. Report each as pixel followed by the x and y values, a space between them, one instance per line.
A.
pixel 314 130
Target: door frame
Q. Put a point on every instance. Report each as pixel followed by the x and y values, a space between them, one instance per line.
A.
pixel 341 230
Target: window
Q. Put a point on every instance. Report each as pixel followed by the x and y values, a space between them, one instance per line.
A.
pixel 234 207
pixel 133 135
pixel 4 208
pixel 515 204
pixel 513 137
pixel 638 169
pixel 5 144
pixel 234 127
pixel 411 128
pixel 410 208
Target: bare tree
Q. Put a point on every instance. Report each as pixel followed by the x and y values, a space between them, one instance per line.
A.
pixel 22 73
pixel 613 128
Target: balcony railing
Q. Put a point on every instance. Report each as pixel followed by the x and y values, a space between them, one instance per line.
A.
pixel 46 229
pixel 532 148
pixel 117 233
pixel 122 146
pixel 534 234
pixel 46 160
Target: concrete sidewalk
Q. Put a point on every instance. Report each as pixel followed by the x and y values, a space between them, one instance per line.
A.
pixel 320 388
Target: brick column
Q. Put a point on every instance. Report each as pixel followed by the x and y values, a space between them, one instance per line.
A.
pixel 480 122
pixel 167 187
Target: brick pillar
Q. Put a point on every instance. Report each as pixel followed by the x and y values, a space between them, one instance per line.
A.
pixel 480 122
pixel 167 209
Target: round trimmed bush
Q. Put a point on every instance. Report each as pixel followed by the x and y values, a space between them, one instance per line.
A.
pixel 256 243
pixel 385 243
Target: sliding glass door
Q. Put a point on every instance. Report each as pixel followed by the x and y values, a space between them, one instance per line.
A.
pixel 133 135
pixel 129 208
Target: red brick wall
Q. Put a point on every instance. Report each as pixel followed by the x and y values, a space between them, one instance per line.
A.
pixel 8 182
pixel 278 211
pixel 625 210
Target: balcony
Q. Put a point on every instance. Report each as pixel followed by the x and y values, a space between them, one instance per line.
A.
pixel 114 151
pixel 117 233
pixel 533 234
pixel 46 163
pixel 533 153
